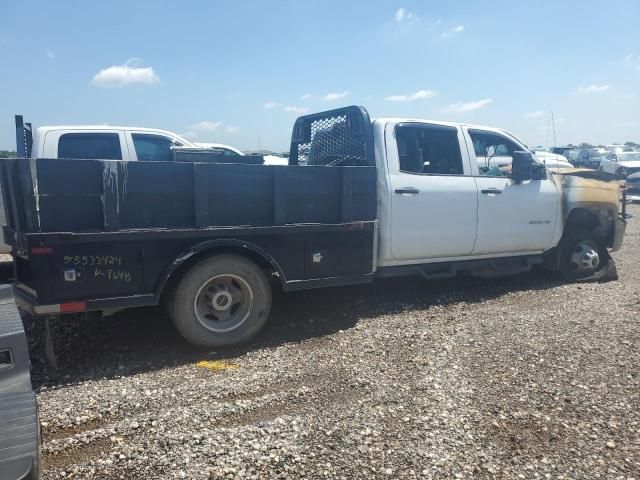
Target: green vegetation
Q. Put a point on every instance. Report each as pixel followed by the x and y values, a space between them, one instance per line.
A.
pixel 7 154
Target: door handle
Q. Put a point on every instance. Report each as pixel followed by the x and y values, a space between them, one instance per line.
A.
pixel 491 191
pixel 407 190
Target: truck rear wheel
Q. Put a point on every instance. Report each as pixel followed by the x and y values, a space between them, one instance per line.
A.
pixel 582 257
pixel 222 300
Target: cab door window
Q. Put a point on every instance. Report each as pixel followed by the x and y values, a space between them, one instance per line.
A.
pixel 152 148
pixel 494 152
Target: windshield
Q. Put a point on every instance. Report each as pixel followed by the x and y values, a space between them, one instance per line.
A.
pixel 629 156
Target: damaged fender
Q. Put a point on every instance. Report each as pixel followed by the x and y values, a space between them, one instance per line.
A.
pixel 594 199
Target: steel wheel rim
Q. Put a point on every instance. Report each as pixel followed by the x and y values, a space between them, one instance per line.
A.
pixel 585 257
pixel 223 303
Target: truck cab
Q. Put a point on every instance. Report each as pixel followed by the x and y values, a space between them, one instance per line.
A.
pixel 445 175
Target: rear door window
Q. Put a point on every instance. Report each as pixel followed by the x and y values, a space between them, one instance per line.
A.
pixel 105 146
pixel 429 149
pixel 153 148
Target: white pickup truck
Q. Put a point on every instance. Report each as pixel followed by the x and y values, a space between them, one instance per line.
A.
pixel 110 143
pixel 359 199
pixel 442 199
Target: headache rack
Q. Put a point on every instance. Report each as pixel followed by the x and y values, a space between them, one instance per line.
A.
pixel 341 137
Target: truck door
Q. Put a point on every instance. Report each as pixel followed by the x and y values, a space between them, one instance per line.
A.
pixel 434 199
pixel 511 217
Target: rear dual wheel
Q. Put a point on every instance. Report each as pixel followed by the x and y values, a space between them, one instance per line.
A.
pixel 222 300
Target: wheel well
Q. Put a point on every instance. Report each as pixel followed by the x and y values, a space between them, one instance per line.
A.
pixel 596 220
pixel 173 275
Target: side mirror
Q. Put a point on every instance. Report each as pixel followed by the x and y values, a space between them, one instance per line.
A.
pixel 522 166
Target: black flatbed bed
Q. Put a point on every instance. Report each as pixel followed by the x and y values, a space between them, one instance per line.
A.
pixel 109 234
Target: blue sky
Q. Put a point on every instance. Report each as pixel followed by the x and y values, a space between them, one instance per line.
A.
pixel 236 71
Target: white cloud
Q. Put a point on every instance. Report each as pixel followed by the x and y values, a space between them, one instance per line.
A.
pixel 461 107
pixel 232 129
pixel 329 97
pixel 50 54
pixel 455 30
pixel 129 73
pixel 419 95
pixel 271 104
pixel 535 114
pixel 294 109
pixel 306 96
pixel 206 126
pixel 189 135
pixel 593 89
pixel 403 15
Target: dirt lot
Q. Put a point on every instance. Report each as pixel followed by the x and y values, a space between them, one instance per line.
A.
pixel 514 378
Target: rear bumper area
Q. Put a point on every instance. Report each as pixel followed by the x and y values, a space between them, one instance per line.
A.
pixel 26 301
pixel 19 428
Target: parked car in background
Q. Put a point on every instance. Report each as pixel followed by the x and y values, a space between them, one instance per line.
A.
pixel 552 160
pixel 564 151
pixel 110 143
pixel 231 151
pixel 227 150
pixel 633 190
pixel 615 148
pixel 100 141
pixel 621 164
pixel 587 157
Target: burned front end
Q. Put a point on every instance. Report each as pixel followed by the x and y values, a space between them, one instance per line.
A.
pixel 596 201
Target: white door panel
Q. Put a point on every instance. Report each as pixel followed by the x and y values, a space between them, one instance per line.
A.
pixel 432 214
pixel 512 217
pixel 438 221
pixel 515 217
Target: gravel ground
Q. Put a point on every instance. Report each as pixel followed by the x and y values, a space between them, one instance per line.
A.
pixel 512 378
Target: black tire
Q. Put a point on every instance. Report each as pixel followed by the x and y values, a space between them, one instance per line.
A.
pixel 621 173
pixel 571 244
pixel 188 301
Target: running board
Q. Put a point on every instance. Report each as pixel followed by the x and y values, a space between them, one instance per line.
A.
pixel 488 268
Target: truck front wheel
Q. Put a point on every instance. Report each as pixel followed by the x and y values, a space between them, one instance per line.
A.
pixel 222 300
pixel 582 257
